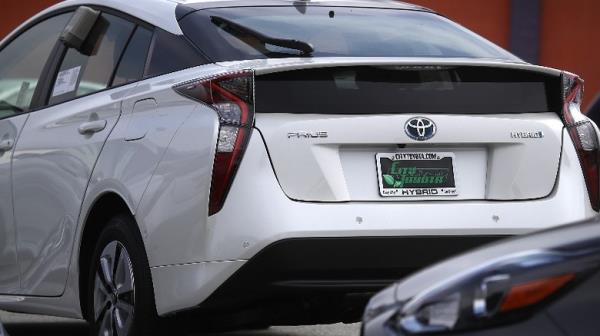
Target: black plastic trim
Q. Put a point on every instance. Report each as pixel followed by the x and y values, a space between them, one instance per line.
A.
pixel 118 64
pixel 182 11
pixel 42 92
pixel 300 269
pixel 47 77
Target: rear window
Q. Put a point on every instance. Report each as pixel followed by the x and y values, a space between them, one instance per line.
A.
pixel 243 33
pixel 407 89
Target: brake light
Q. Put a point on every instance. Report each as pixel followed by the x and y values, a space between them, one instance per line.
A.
pixel 583 134
pixel 232 97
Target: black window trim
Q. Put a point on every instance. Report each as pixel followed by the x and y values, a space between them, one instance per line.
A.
pixel 55 50
pixel 41 96
pixel 150 54
pixel 44 85
pixel 44 100
pixel 184 38
pixel 54 66
pixel 42 92
pixel 146 61
pixel 197 48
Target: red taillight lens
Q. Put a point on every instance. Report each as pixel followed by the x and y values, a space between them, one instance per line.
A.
pixel 232 97
pixel 583 134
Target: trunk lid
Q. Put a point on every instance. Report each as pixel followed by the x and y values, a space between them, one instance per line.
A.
pixel 337 130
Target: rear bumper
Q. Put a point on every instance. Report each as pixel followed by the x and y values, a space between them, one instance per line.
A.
pixel 258 217
pixel 312 280
pixel 305 267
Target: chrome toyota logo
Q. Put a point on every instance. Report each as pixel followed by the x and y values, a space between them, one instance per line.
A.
pixel 420 129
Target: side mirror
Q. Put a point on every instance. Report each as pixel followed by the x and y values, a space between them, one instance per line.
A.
pixel 79 28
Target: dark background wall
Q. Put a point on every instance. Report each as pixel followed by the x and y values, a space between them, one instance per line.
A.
pixel 14 12
pixel 568 31
pixel 564 34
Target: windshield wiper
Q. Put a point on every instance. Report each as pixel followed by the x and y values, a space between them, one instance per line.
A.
pixel 236 29
pixel 4 105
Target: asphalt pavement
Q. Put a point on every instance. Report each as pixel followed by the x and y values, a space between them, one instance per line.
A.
pixel 31 325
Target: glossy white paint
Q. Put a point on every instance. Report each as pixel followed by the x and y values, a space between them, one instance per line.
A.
pixel 178 287
pixel 489 165
pixel 52 165
pixel 174 208
pixel 164 175
pixel 257 213
pixel 266 66
pixel 124 168
pixel 273 216
pixel 158 159
pixel 159 13
pixel 9 267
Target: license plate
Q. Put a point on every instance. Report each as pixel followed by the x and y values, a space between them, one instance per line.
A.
pixel 419 174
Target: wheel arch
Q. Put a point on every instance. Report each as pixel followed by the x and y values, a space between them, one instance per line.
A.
pixel 104 207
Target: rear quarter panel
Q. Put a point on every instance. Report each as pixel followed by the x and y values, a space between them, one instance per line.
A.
pixel 151 149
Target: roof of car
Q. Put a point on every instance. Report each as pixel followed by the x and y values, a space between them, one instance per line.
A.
pixel 165 13
pixel 204 4
pixel 160 13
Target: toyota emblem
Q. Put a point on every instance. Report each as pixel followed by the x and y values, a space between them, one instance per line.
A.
pixel 420 129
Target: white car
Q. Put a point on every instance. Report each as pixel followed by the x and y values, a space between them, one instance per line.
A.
pixel 267 162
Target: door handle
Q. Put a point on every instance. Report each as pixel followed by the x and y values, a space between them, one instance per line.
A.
pixel 6 145
pixel 92 127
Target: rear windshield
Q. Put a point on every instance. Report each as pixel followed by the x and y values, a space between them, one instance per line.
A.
pixel 244 33
pixel 407 89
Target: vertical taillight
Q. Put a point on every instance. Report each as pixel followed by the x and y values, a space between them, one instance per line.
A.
pixel 232 97
pixel 583 134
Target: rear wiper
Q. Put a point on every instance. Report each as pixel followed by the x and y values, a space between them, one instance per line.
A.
pixel 237 29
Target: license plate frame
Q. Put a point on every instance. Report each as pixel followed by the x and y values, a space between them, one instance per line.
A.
pixel 416 174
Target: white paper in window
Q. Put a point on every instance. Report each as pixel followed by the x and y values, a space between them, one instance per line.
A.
pixel 66 81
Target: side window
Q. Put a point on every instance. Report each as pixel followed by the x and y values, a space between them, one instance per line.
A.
pixel 22 63
pixel 171 53
pixel 132 65
pixel 90 70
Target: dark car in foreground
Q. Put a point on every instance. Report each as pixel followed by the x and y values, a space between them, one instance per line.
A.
pixel 545 283
pixel 2 331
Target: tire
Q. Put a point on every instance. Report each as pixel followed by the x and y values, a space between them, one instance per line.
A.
pixel 120 295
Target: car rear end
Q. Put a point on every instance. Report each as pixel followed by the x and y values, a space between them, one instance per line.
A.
pixel 359 144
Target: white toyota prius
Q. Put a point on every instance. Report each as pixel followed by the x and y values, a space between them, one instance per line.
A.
pixel 264 162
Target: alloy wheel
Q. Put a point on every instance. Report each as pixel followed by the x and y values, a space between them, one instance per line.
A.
pixel 114 292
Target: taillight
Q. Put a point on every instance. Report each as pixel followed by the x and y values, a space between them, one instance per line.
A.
pixel 232 97
pixel 583 134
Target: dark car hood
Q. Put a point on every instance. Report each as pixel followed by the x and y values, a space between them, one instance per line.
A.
pixel 563 238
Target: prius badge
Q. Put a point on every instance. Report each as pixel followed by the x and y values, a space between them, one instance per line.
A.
pixel 420 128
pixel 307 135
